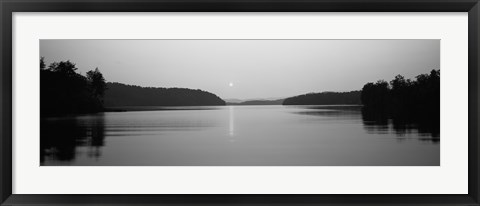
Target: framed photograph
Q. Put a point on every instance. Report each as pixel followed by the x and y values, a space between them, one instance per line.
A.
pixel 239 102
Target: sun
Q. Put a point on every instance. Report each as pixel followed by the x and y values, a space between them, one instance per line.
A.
pixel 230 84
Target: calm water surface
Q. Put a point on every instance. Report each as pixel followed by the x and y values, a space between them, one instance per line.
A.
pixel 237 135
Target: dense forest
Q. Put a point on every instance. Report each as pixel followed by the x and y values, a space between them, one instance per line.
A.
pixel 405 96
pixel 119 95
pixel 405 101
pixel 64 91
pixel 325 98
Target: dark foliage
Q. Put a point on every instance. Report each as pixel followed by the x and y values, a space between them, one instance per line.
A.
pixel 405 101
pixel 64 91
pixel 325 98
pixel 97 83
pixel 120 95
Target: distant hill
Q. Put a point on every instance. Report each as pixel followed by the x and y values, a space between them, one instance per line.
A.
pixel 325 98
pixel 118 95
pixel 258 102
pixel 233 100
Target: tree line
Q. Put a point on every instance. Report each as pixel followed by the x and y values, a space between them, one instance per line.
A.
pixel 405 101
pixel 325 98
pixel 120 95
pixel 403 96
pixel 64 91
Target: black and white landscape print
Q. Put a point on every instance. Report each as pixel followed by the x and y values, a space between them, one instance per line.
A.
pixel 239 102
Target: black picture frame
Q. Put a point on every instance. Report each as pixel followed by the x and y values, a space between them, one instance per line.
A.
pixel 7 7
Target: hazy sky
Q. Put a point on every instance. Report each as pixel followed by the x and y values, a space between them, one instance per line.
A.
pixel 248 69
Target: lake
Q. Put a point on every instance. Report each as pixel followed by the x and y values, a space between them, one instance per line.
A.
pixel 273 135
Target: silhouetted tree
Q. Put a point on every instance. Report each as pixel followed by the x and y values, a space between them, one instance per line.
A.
pixel 64 91
pixel 405 101
pixel 376 94
pixel 97 86
pixel 65 68
pixel 42 63
pixel 97 82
